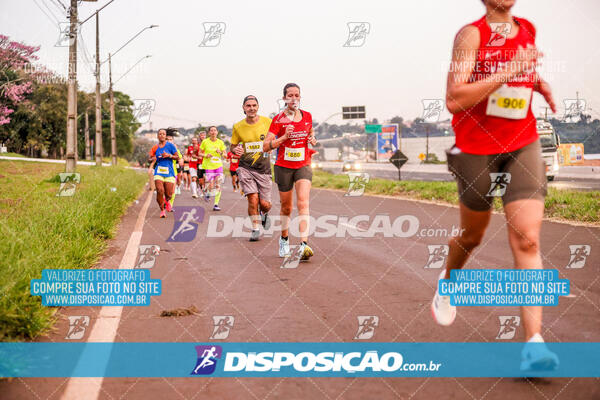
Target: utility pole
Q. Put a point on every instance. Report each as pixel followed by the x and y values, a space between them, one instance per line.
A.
pixel 113 135
pixel 98 141
pixel 546 113
pixel 427 143
pixel 87 137
pixel 72 91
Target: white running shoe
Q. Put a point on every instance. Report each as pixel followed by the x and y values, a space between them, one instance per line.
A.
pixel 284 247
pixel 535 356
pixel 306 252
pixel 443 313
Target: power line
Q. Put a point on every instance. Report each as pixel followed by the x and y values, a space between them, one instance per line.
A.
pixel 50 11
pixel 171 117
pixel 59 3
pixel 86 55
pixel 61 8
pixel 55 23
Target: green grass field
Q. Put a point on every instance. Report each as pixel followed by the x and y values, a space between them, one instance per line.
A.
pixel 570 205
pixel 41 230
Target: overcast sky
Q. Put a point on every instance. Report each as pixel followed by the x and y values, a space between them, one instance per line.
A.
pixel 266 44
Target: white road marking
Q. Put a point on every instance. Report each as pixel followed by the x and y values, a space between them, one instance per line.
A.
pixel 107 322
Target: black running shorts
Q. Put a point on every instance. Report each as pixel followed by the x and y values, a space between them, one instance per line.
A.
pixel 286 177
pixel 518 175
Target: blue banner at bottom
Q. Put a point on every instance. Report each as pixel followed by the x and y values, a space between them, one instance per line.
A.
pixel 299 359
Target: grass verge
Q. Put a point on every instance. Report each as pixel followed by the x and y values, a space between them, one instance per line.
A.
pixel 12 155
pixel 41 230
pixel 570 205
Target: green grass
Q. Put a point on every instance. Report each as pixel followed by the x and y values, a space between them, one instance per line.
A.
pixel 40 230
pixel 121 162
pixel 12 155
pixel 568 205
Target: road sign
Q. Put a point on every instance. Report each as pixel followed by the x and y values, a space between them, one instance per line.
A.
pixel 422 156
pixel 354 112
pixel 398 159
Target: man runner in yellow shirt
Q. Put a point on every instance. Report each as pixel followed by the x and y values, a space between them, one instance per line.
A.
pixel 254 170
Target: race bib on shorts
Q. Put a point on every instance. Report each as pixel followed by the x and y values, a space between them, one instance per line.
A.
pixel 163 170
pixel 254 147
pixel 292 154
pixel 509 102
pixel 186 168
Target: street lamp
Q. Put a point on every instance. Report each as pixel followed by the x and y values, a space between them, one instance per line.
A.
pixel 113 135
pixel 134 65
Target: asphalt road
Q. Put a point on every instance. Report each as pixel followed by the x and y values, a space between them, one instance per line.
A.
pixel 321 300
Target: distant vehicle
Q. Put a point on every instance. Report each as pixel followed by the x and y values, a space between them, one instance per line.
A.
pixel 316 165
pixel 351 165
pixel 549 141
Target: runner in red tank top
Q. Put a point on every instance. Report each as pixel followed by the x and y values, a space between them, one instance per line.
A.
pixel 290 133
pixel 192 153
pixel 497 153
pixel 234 161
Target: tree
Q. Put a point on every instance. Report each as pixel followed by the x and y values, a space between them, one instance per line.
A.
pixel 141 148
pixel 125 124
pixel 15 83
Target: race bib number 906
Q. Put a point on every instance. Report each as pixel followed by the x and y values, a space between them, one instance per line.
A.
pixel 509 102
pixel 254 147
pixel 292 154
pixel 162 170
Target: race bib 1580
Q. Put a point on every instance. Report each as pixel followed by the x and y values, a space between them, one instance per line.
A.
pixel 253 147
pixel 509 102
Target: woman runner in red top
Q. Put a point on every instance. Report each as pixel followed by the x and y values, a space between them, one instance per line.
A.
pixel 234 161
pixel 192 153
pixel 497 152
pixel 290 133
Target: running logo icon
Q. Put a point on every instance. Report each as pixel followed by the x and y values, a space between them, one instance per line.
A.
pixel 207 359
pixel 142 109
pixel 437 255
pixel 64 37
pixel 579 253
pixel 148 255
pixel 508 326
pixel 357 33
pixel 500 181
pixel 432 110
pixel 212 34
pixel 186 223
pixel 357 182
pixel 68 183
pixel 574 109
pixel 223 324
pixel 293 260
pixel 77 325
pixel 281 105
pixel 366 326
pixel 500 31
